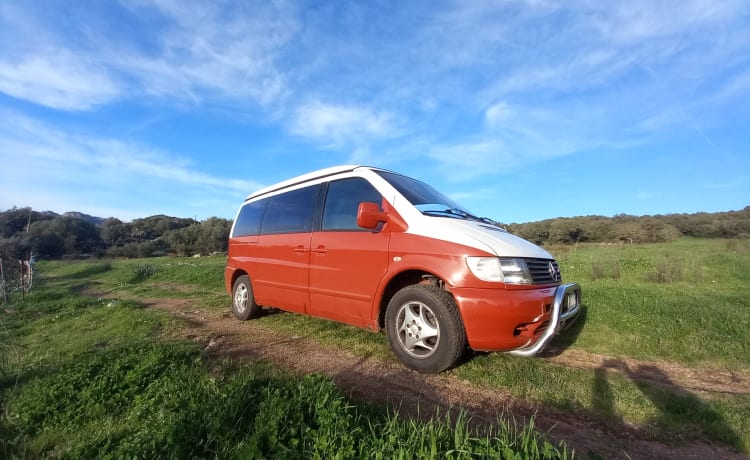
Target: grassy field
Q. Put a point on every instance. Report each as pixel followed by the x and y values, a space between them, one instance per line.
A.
pixel 85 376
pixel 682 303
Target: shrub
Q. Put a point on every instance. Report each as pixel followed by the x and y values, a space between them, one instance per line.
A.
pixel 143 271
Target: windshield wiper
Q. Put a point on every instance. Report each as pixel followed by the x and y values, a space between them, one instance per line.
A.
pixel 463 214
pixel 470 216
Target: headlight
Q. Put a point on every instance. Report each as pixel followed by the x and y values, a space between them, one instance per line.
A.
pixel 485 268
pixel 511 271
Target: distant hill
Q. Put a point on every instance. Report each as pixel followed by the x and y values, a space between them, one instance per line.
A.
pixel 79 215
pixel 49 235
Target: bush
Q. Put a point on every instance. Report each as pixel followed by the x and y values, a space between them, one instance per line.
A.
pixel 607 269
pixel 144 271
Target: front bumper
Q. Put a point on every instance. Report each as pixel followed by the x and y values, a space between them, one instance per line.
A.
pixel 565 310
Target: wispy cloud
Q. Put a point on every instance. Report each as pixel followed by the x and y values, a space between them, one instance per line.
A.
pixel 461 162
pixel 40 160
pixel 573 77
pixel 184 50
pixel 455 90
pixel 338 125
pixel 636 21
pixel 58 79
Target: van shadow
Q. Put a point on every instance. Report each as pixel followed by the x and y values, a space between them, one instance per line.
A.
pixel 678 409
pixel 566 338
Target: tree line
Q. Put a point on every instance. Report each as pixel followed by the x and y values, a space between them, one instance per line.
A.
pixel 623 228
pixel 51 236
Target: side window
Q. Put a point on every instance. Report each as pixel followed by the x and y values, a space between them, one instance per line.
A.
pixel 290 212
pixel 342 201
pixel 249 219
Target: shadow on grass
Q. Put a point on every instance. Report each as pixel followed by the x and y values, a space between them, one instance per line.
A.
pixel 568 337
pixel 679 410
pixel 90 270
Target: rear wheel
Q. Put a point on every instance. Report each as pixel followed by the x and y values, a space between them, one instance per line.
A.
pixel 243 302
pixel 424 328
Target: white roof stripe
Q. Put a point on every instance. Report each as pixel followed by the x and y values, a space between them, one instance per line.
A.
pixel 303 178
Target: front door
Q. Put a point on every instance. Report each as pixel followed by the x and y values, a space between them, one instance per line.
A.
pixel 347 262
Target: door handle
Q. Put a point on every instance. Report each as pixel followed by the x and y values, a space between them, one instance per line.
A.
pixel 320 250
pixel 300 248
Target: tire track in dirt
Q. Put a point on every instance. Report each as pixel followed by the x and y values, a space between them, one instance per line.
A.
pixel 421 396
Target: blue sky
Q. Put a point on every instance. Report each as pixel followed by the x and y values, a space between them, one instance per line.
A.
pixel 520 110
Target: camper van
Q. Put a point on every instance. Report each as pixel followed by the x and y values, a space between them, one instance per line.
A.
pixel 379 250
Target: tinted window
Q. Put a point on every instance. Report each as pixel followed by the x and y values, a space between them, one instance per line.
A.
pixel 290 212
pixel 249 219
pixel 342 201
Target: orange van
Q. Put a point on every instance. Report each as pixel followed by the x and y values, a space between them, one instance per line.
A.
pixel 379 250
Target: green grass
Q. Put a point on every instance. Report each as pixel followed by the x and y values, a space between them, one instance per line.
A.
pixel 682 302
pixel 95 377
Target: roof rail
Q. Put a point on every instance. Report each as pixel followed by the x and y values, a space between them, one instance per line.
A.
pixel 303 178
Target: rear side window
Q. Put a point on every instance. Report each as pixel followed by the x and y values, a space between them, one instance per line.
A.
pixel 249 219
pixel 290 212
pixel 342 201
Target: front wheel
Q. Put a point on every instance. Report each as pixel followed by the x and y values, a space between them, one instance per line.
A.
pixel 424 328
pixel 243 302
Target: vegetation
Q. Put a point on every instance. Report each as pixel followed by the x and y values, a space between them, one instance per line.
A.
pixel 624 228
pixel 50 236
pixel 681 303
pixel 92 377
pixel 676 300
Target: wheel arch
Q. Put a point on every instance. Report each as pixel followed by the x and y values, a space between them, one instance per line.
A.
pixel 401 280
pixel 236 273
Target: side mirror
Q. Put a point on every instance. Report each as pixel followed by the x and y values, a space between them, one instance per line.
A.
pixel 369 215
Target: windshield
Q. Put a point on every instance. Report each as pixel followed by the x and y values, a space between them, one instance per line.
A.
pixel 422 196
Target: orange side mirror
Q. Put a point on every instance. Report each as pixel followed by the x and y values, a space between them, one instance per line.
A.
pixel 369 215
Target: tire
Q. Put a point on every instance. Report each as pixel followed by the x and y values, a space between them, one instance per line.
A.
pixel 424 328
pixel 243 302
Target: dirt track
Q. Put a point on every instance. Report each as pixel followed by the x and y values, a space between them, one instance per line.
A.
pixel 417 395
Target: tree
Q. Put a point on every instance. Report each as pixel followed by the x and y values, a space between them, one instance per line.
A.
pixel 214 235
pixel 205 238
pixel 153 227
pixel 566 231
pixel 16 247
pixel 16 220
pixel 114 232
pixel 64 236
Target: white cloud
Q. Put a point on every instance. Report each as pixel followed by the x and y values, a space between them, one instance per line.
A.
pixel 636 21
pixel 462 162
pixel 497 114
pixel 207 46
pixel 190 51
pixel 336 125
pixel 89 172
pixel 58 79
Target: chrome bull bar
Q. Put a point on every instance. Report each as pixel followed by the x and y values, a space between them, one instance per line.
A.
pixel 565 310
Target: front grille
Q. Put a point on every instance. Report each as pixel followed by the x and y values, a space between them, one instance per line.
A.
pixel 544 271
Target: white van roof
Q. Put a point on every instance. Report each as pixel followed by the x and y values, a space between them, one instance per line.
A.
pixel 304 178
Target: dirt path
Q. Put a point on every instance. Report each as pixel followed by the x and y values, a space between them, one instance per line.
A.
pixel 706 381
pixel 417 395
